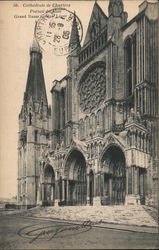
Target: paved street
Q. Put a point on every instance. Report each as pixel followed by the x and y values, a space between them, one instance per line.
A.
pixel 19 232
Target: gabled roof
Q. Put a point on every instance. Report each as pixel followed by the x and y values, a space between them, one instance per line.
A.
pixel 97 16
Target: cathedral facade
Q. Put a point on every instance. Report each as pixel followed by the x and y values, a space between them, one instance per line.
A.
pixel 97 144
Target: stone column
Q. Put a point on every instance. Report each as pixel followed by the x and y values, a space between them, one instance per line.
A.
pixel 67 191
pixel 42 193
pixel 54 119
pixel 88 189
pixel 102 185
pixel 145 101
pixel 63 190
pixel 141 104
pixel 149 100
pixel 138 100
pixel 97 194
pixel 56 200
pixel 132 197
pixel 110 190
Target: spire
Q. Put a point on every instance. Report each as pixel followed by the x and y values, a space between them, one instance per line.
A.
pixel 35 87
pixel 115 7
pixel 74 38
pixel 35 46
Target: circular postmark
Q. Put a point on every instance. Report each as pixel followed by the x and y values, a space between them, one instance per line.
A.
pixel 53 28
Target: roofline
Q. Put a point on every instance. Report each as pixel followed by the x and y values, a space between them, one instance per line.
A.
pixel 66 77
pixel 101 10
pixel 138 16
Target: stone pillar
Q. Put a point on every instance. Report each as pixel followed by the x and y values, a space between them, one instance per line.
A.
pixel 88 190
pixel 110 190
pixel 55 119
pixel 67 190
pixel 132 197
pixel 145 101
pixel 42 193
pixel 138 101
pixel 102 186
pixel 68 134
pixel 102 183
pixel 63 190
pixel 142 108
pixel 149 100
pixel 56 200
pixel 132 64
pixel 97 196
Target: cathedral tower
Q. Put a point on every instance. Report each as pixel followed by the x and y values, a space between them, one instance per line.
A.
pixel 33 129
pixel 72 62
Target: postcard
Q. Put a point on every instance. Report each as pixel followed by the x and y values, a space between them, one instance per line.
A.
pixel 79 124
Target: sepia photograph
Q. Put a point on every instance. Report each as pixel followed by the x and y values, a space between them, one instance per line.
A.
pixel 79 124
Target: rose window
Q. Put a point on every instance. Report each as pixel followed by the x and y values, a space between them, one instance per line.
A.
pixel 92 88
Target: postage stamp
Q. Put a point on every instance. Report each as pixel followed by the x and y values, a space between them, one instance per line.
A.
pixel 53 28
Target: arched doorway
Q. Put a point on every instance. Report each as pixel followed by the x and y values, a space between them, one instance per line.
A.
pixel 114 174
pixel 49 186
pixel 91 187
pixel 76 183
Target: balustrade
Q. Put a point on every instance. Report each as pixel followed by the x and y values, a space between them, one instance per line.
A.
pixel 92 48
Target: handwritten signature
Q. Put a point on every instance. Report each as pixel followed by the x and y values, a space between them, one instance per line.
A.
pixel 49 234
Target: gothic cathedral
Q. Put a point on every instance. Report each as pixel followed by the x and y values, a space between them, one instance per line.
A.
pixel 97 144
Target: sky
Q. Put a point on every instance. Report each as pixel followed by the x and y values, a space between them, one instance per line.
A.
pixel 15 41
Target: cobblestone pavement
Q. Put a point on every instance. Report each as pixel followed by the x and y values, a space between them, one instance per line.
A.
pixel 125 215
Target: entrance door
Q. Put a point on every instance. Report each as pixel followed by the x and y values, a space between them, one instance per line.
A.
pixel 76 175
pixel 91 186
pixel 113 163
pixel 49 186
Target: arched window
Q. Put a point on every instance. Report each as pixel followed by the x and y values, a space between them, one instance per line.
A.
pixel 140 138
pixel 87 126
pixel 137 99
pixel 81 128
pixel 128 138
pixel 94 31
pixel 63 108
pixel 128 66
pixel 105 119
pixel 143 145
pixel 30 118
pixel 100 119
pixel 36 136
pixel 93 122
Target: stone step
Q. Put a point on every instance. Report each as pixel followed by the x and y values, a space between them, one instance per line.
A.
pixel 126 215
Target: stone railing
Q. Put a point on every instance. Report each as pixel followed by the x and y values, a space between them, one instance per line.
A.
pixel 92 48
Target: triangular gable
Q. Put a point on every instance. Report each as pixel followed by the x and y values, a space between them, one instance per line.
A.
pixel 116 139
pixel 98 17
